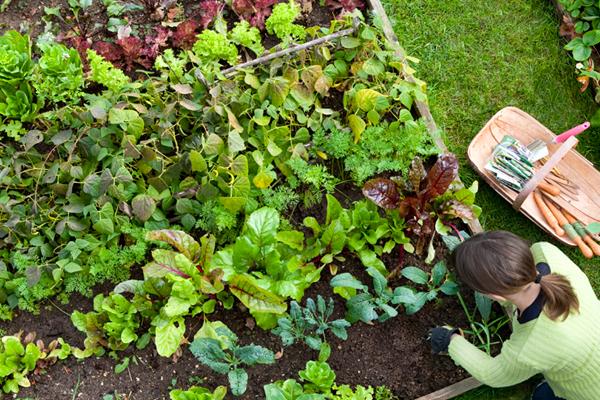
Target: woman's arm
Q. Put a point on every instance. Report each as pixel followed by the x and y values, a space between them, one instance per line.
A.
pixel 506 369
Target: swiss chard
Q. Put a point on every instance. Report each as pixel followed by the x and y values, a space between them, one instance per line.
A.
pixel 265 265
pixel 420 197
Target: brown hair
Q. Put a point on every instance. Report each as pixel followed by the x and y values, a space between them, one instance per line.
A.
pixel 501 263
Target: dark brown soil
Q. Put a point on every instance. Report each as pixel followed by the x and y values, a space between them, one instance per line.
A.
pixel 394 353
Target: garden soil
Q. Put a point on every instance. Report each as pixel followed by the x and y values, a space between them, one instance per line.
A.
pixel 395 353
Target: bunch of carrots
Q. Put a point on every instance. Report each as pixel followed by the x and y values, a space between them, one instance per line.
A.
pixel 564 223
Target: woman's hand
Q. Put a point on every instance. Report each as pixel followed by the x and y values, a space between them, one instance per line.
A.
pixel 440 338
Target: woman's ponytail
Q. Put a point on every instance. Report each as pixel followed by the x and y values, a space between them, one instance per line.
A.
pixel 559 295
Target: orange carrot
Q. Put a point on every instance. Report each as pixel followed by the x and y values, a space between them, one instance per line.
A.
pixel 547 214
pixel 548 188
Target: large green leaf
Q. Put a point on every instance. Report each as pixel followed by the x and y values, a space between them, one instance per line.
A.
pixel 169 334
pixel 262 226
pixel 183 242
pixel 416 275
pixel 255 297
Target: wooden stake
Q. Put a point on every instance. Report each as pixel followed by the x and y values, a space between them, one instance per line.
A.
pixel 289 50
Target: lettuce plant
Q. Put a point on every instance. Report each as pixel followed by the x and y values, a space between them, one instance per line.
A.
pixel 319 377
pixel 60 74
pixel 16 66
pixel 114 323
pixel 15 58
pixel 16 361
pixel 318 383
pixel 245 35
pixel 198 393
pixel 281 22
pixel 216 346
pixel 212 47
pixel 360 229
pixel 102 72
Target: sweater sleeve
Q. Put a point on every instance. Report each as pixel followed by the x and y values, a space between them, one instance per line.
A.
pixel 506 369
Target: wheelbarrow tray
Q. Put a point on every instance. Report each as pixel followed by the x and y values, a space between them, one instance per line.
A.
pixel 512 121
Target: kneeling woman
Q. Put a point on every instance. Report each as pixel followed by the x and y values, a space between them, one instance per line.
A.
pixel 556 326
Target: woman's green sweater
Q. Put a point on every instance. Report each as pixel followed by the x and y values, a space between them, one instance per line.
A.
pixel 566 352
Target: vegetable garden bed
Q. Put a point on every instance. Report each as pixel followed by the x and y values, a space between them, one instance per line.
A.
pixel 93 182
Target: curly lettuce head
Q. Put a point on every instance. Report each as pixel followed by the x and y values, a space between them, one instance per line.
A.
pixel 15 58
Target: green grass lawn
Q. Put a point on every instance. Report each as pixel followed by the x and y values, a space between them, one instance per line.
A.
pixel 478 57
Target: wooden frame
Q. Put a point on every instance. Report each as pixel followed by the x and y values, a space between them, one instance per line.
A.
pixel 465 385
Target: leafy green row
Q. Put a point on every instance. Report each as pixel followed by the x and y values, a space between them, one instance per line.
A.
pixel 86 180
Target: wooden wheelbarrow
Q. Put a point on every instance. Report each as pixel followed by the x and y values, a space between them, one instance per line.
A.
pixel 574 176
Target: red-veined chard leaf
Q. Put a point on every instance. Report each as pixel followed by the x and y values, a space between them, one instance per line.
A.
pixel 440 176
pixel 383 192
pixel 183 242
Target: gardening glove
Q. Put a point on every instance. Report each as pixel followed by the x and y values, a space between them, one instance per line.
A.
pixel 440 338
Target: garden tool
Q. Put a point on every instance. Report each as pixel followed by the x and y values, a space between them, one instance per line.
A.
pixel 538 148
pixel 580 229
pixel 568 228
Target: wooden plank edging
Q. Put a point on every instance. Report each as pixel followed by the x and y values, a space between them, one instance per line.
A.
pixel 423 108
pixel 453 390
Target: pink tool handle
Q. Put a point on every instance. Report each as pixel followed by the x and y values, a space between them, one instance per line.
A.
pixel 571 132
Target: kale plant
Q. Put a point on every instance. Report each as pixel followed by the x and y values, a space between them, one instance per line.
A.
pixel 361 304
pixel 217 347
pixel 438 281
pixel 309 324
